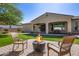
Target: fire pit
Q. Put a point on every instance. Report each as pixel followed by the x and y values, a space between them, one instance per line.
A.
pixel 39 44
pixel 39 47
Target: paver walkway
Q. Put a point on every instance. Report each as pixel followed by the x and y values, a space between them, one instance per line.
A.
pixel 7 50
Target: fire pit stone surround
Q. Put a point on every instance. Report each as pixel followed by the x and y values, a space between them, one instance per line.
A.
pixel 39 44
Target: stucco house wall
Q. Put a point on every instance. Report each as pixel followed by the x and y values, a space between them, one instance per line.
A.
pixel 27 27
pixel 47 18
pixel 50 17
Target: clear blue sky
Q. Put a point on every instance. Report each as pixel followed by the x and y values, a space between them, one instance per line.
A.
pixel 33 10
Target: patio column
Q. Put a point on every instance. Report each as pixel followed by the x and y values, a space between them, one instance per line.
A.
pixel 69 26
pixel 32 27
pixel 46 28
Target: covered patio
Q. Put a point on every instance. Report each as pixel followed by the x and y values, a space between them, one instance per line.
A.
pixel 7 50
pixel 51 27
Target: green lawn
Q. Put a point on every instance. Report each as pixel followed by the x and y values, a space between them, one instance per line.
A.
pixel 24 36
pixel 49 38
pixel 6 39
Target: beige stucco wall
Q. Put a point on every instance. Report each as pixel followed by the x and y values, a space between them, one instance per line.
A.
pixel 54 18
pixel 27 27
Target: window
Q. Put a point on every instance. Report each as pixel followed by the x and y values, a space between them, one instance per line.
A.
pixel 76 26
pixel 59 26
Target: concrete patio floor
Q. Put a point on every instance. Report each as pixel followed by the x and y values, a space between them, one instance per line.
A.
pixel 7 50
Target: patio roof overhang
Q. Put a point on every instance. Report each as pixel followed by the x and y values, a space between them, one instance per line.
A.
pixel 75 17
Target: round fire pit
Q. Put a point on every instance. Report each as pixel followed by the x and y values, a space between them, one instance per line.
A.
pixel 38 46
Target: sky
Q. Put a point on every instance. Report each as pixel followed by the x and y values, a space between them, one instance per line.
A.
pixel 33 10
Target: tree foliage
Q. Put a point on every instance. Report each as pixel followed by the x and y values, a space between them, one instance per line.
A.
pixel 9 14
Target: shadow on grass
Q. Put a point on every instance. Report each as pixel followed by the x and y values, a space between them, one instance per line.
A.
pixel 52 36
pixel 4 36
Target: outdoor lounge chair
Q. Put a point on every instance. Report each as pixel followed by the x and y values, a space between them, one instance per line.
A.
pixel 64 46
pixel 17 41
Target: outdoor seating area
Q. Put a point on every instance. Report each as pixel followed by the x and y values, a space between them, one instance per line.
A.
pixel 7 50
pixel 40 45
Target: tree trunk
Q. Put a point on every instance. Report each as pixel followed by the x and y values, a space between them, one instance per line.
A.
pixel 10 28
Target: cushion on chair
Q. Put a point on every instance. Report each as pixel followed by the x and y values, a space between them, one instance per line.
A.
pixel 54 47
pixel 65 47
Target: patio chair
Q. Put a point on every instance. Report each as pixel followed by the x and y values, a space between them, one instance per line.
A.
pixel 17 41
pixel 64 46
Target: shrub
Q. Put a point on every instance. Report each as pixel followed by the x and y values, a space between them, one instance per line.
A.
pixel 5 31
pixel 19 29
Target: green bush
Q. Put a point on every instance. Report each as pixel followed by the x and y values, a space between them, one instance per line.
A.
pixel 5 31
pixel 19 29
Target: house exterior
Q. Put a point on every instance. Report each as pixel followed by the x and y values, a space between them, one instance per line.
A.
pixel 53 23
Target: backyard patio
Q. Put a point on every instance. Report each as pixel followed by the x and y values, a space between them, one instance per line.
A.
pixel 38 33
pixel 7 50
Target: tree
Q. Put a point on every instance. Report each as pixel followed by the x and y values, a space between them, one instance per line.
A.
pixel 9 14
